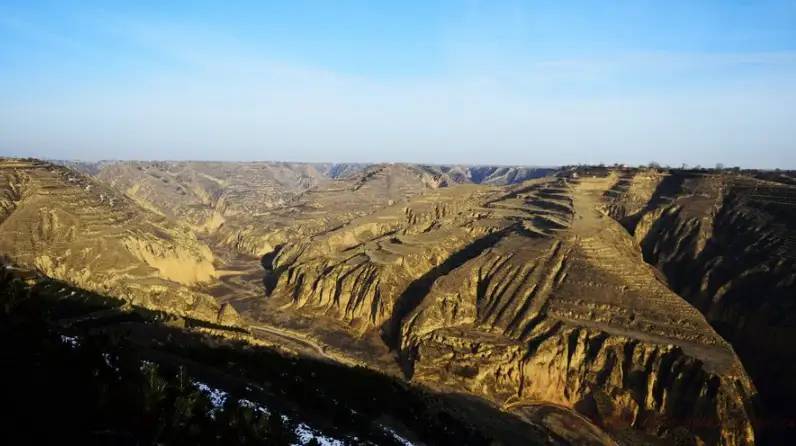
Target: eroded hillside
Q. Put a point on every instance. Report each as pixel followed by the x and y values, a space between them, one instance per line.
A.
pixel 73 228
pixel 252 207
pixel 726 243
pixel 586 303
pixel 522 295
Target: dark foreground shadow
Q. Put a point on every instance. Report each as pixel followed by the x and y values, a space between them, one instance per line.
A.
pixel 81 367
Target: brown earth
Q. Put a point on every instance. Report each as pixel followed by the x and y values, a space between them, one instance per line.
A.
pixel 726 243
pixel 73 228
pixel 597 303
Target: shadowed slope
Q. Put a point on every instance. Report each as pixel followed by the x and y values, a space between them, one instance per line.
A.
pixel 726 243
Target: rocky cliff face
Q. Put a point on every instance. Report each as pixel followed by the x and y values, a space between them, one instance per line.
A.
pixel 520 295
pixel 725 242
pixel 73 228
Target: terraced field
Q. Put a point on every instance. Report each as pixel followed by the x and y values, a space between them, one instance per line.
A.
pixel 73 228
pixel 522 295
pixel 602 305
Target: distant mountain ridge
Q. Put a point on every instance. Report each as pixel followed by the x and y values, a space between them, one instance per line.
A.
pixel 459 173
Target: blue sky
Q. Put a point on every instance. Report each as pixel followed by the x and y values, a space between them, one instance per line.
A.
pixel 533 83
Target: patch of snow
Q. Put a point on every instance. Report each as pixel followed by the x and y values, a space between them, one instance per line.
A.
pixel 146 364
pixel 72 341
pixel 243 402
pixel 397 437
pixel 305 434
pixel 107 358
pixel 217 396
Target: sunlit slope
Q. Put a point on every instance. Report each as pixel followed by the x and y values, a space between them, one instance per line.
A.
pixel 73 228
pixel 522 294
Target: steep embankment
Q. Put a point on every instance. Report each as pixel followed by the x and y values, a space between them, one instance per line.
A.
pixel 73 228
pixel 726 243
pixel 522 295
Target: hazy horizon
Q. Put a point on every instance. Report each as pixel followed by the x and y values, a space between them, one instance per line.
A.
pixel 685 166
pixel 515 84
